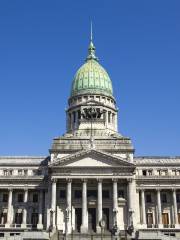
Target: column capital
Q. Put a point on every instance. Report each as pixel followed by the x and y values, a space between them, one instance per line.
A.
pixel 54 180
pixel 10 189
pixel 84 180
pixel 69 180
pixel 129 180
pixel 99 180
pixel 158 189
pixel 114 180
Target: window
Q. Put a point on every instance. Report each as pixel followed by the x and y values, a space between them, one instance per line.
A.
pixel 18 218
pixel 74 117
pixel 92 193
pixel 178 197
pixel 144 172
pixel 105 194
pixel 109 117
pixel 164 197
pixel 5 197
pixel 121 194
pixel 20 197
pixel 5 173
pixel 78 194
pixel 62 194
pixel 26 172
pixel 35 197
pixel 20 172
pixel 148 198
pixel 150 172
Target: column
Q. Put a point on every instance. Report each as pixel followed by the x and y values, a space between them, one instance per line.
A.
pixel 159 208
pixel 40 212
pixel 84 226
pixel 175 209
pixel 143 208
pixel 132 202
pixel 9 213
pixel 115 201
pixel 53 204
pixel 99 206
pixel 24 220
pixel 69 207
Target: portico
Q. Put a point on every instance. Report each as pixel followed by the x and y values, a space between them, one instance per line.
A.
pixel 84 203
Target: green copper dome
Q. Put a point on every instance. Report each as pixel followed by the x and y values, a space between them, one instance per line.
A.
pixel 91 78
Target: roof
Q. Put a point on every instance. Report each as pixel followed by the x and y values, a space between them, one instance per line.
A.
pixel 23 160
pixel 157 160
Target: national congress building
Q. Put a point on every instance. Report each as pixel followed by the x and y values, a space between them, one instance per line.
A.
pixel 91 181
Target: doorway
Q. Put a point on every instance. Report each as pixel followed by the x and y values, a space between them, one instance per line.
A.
pixel 78 219
pixel 165 218
pixel 149 219
pixel 92 219
pixel 106 217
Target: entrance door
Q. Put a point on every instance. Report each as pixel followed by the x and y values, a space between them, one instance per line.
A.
pixel 106 217
pixel 78 219
pixel 149 219
pixel 165 219
pixel 34 220
pixel 3 218
pixel 92 219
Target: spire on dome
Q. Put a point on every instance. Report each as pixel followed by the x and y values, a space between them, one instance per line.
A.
pixel 91 48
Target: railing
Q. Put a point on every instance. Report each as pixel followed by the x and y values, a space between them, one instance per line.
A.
pixel 14 225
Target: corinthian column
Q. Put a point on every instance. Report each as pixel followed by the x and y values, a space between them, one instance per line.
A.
pixel 53 203
pixel 69 206
pixel 159 208
pixel 115 201
pixel 175 209
pixel 99 206
pixel 24 220
pixel 84 226
pixel 143 208
pixel 9 213
pixel 40 225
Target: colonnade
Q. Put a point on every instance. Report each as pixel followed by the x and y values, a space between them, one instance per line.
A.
pixel 159 221
pixel 24 210
pixel 84 226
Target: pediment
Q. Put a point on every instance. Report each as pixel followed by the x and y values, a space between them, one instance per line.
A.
pixel 92 158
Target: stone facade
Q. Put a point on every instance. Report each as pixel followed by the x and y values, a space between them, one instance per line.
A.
pixel 91 180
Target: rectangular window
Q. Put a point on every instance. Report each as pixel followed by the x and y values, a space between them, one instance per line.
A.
pixel 62 194
pixel 144 172
pixel 5 197
pixel 18 218
pixel 149 217
pixel 178 197
pixel 35 197
pixel 148 198
pixel 105 194
pixel 92 193
pixel 165 219
pixel 164 197
pixel 121 194
pixel 109 117
pixel 78 194
pixel 20 197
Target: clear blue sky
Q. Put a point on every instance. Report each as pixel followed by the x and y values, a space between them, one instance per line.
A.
pixel 42 44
